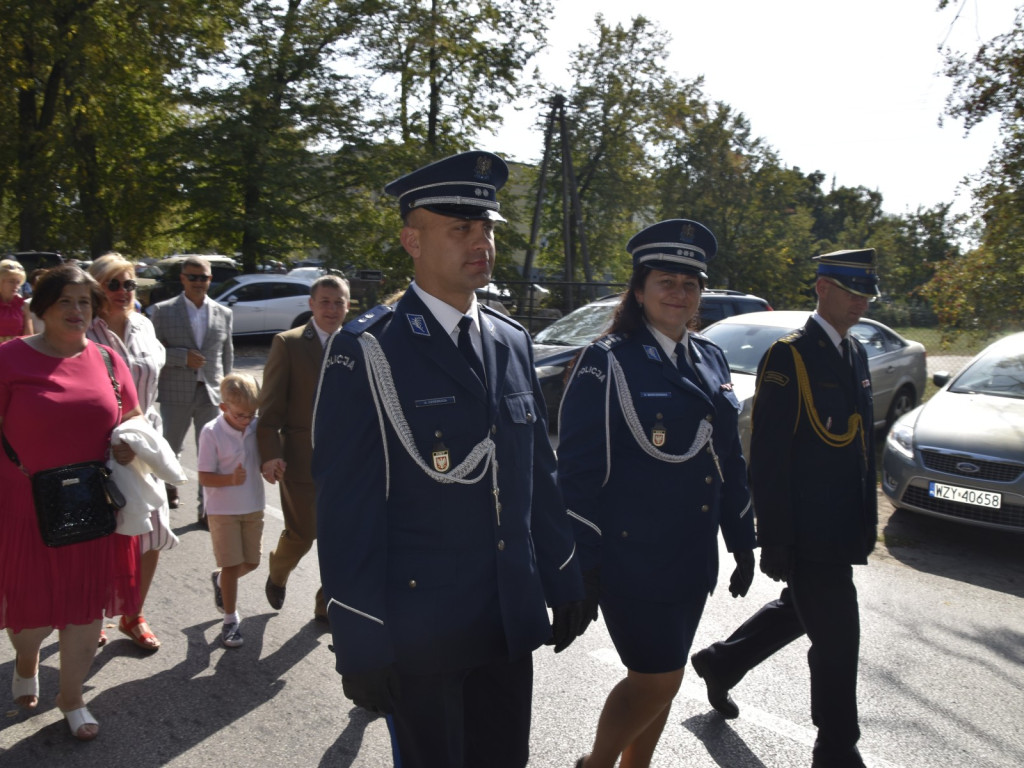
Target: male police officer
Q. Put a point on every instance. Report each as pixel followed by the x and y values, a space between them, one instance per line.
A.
pixel 441 530
pixel 812 468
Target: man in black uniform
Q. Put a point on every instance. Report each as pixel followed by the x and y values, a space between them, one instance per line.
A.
pixel 813 481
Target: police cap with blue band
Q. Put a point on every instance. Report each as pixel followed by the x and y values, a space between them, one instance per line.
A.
pixel 463 186
pixel 854 270
pixel 674 245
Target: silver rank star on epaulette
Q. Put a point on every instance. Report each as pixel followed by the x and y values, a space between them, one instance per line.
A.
pixel 609 341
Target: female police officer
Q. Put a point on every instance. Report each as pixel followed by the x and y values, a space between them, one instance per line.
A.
pixel 650 466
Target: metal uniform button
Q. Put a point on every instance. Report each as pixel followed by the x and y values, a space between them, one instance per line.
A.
pixel 625 534
pixel 709 480
pixel 494 429
pixel 709 417
pixel 412 583
pixel 501 545
pixel 529 418
pixel 705 508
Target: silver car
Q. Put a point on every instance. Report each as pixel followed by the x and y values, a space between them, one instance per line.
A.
pixel 961 455
pixel 898 367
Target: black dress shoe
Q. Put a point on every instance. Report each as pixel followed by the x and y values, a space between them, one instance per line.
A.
pixel 718 693
pixel 172 497
pixel 275 595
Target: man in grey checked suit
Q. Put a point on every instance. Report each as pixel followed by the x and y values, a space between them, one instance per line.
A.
pixel 196 332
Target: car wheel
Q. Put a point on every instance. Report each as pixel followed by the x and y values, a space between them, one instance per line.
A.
pixel 301 319
pixel 904 401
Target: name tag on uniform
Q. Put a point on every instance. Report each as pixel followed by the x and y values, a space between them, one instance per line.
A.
pixel 428 402
pixel 655 394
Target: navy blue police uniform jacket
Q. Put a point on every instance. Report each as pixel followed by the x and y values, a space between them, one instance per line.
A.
pixel 436 576
pixel 812 466
pixel 649 523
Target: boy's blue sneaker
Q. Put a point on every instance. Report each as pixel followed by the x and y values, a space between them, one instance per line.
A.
pixel 230 636
pixel 218 598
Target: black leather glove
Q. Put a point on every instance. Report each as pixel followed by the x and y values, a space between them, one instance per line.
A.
pixel 592 587
pixel 777 562
pixel 371 690
pixel 743 576
pixel 566 624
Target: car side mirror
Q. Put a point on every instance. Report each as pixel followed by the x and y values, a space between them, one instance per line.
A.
pixel 939 379
pixel 232 300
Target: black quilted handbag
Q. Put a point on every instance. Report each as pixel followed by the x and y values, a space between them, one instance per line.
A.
pixel 76 502
pixel 73 503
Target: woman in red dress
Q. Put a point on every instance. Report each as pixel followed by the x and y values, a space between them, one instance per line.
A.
pixel 15 319
pixel 58 407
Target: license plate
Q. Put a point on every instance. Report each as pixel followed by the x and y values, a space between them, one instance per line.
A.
pixel 965 495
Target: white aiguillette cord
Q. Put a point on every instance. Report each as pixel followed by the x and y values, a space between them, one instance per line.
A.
pixel 385 399
pixel 700 439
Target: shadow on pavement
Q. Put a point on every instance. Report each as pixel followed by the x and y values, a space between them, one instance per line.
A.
pixel 723 744
pixel 344 751
pixel 986 558
pixel 149 722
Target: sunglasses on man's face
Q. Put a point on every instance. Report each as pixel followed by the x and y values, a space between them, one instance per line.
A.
pixel 196 278
pixel 115 285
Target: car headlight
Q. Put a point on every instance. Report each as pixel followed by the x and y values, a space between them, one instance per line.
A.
pixel 901 439
pixel 547 371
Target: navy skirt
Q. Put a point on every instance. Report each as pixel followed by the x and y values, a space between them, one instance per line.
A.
pixel 652 637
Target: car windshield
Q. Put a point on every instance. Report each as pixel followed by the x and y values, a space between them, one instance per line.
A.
pixel 744 345
pixel 223 288
pixel 579 327
pixel 1000 372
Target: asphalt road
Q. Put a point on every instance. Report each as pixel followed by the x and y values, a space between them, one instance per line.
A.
pixel 941 677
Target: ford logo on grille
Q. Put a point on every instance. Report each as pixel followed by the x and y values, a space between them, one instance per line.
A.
pixel 966 466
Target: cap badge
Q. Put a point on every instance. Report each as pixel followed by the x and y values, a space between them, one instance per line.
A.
pixel 687 232
pixel 483 168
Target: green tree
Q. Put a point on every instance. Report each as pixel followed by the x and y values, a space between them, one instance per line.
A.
pixel 990 82
pixel 254 161
pixel 447 66
pixel 89 99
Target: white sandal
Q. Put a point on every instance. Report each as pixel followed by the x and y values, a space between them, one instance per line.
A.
pixel 25 686
pixel 77 719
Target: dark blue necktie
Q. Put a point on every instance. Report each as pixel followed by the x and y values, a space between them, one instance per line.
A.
pixel 686 369
pixel 466 348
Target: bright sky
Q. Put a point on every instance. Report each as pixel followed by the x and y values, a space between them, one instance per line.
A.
pixel 847 87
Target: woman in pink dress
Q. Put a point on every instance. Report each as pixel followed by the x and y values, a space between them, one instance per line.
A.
pixel 58 407
pixel 15 319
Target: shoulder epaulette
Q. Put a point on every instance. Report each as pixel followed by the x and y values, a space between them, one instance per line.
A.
pixel 493 313
pixel 792 336
pixel 610 341
pixel 703 340
pixel 374 317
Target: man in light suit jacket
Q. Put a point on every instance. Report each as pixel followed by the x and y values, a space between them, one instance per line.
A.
pixel 290 379
pixel 196 333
